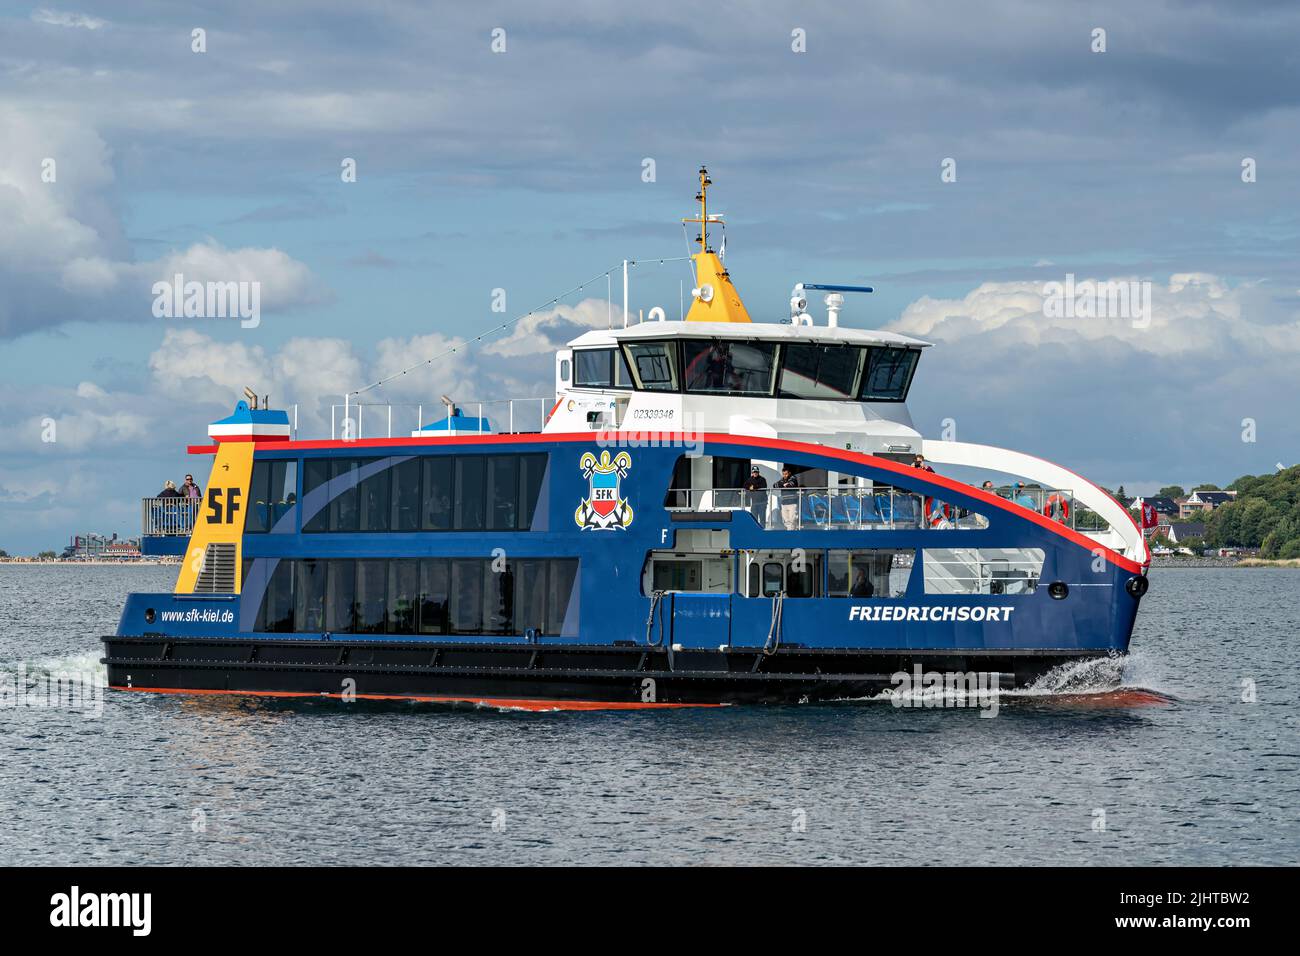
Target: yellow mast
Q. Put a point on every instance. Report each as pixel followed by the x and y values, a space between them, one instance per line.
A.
pixel 715 299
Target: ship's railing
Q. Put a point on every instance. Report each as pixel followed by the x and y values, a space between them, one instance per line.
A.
pixel 849 508
pixel 168 516
pixel 508 416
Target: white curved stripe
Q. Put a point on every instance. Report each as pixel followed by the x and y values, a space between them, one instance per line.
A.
pixel 1123 536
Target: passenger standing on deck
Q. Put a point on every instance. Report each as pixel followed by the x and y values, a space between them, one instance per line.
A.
pixel 1021 496
pixel 789 498
pixel 756 494
pixel 928 504
pixel 190 489
pixel 169 490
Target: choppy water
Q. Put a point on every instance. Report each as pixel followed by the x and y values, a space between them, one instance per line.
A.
pixel 1187 774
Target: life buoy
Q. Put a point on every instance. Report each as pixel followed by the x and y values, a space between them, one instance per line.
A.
pixel 1057 506
pixel 938 512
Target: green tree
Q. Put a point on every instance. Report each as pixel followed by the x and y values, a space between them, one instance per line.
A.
pixel 47 555
pixel 1171 491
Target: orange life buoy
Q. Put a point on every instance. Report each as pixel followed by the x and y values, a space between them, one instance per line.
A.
pixel 1057 506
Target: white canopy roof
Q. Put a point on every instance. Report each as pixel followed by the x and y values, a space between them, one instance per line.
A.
pixel 741 331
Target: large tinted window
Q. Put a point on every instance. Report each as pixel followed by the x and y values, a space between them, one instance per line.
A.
pixel 466 609
pixel 562 575
pixel 272 491
pixel 471 499
pixel 406 495
pixel 820 371
pixel 344 514
pixel 889 372
pixel 530 595
pixel 531 470
pixel 728 368
pixel 498 597
pixel 655 365
pixel 403 596
pixel 434 597
pixel 315 478
pixel 372 497
pixel 372 596
pixel 439 488
pixel 340 598
pixel 502 492
pixel 309 600
pixel 277 611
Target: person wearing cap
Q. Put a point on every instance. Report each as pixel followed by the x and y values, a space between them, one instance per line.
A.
pixel 756 496
pixel 1022 497
pixel 788 495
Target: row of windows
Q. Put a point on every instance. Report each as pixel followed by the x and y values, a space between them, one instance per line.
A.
pixel 417 596
pixel 726 367
pixel 860 573
pixel 427 493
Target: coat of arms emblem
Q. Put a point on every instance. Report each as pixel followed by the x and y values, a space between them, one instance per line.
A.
pixel 604 508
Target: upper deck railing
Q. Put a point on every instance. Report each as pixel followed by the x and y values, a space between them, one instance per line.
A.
pixel 168 516
pixel 508 416
pixel 849 508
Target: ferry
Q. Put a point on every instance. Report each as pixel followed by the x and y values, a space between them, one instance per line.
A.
pixel 714 510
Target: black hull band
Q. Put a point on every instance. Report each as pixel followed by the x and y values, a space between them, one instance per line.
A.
pixel 620 676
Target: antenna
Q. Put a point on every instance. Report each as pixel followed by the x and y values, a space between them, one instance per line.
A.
pixel 702 197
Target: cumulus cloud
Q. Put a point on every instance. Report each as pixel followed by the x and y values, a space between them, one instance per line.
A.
pixel 63 255
pixel 1190 314
pixel 58 18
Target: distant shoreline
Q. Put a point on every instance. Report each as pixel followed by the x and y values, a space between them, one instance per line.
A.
pixel 146 562
pixel 1194 562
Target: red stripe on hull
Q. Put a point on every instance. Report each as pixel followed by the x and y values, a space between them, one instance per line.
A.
pixel 509 703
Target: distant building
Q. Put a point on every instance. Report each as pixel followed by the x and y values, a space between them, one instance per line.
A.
pixel 97 547
pixel 1201 501
pixel 1185 531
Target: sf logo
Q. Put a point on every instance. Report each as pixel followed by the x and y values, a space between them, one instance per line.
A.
pixel 217 514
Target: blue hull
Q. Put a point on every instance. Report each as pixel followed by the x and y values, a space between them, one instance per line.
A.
pixel 595 530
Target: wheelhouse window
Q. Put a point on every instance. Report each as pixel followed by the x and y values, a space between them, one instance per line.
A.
pixel 600 368
pixel 723 367
pixel 821 371
pixel 654 365
pixel 889 374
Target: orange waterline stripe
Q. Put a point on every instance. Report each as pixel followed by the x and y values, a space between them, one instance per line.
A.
pixel 522 703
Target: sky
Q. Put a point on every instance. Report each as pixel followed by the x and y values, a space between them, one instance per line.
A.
pixel 957 157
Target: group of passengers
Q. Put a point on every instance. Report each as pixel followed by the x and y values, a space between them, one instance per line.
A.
pixel 174 508
pixel 189 489
pixel 787 496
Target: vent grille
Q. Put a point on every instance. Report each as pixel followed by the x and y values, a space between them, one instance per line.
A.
pixel 217 576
